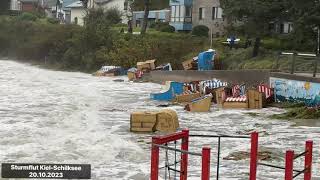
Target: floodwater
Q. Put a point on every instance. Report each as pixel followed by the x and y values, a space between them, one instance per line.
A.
pixel 68 117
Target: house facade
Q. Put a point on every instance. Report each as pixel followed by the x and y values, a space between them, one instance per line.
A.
pixel 28 5
pixel 181 14
pixel 15 5
pixel 121 5
pixel 209 13
pixel 186 14
pixel 154 16
pixel 77 13
pixel 283 27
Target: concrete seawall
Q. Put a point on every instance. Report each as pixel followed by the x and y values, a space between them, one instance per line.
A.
pixel 249 77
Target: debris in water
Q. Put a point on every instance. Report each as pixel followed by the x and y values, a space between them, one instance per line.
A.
pixel 265 154
pixel 242 155
pixel 163 105
pixel 249 131
pixel 118 80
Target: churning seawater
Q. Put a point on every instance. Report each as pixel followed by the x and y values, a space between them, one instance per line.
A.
pixel 68 117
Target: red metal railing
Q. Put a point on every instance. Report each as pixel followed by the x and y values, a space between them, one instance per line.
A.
pixel 253 156
pixel 289 165
pixel 159 141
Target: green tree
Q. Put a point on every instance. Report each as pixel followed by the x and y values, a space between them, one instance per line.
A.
pixel 4 5
pixel 306 19
pixel 145 16
pixel 256 16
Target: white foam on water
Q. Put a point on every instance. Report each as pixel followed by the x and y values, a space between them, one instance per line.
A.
pixel 70 117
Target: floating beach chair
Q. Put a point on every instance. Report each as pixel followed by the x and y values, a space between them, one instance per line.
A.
pixel 187 97
pixel 169 94
pixel 237 99
pixel 146 122
pixel 265 89
pixel 201 104
pixel 256 99
pixel 132 74
pixel 237 102
pixel 211 84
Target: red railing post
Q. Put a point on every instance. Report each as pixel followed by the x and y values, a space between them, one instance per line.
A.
pixel 154 159
pixel 289 165
pixel 205 175
pixel 184 157
pixel 308 160
pixel 253 156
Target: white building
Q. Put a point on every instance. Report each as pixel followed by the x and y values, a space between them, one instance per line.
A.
pixel 121 5
pixel 78 12
pixel 15 5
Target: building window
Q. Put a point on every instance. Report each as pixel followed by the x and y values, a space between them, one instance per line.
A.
pixel 178 13
pixel 216 13
pixel 125 5
pixel 290 28
pixel 213 13
pixel 173 12
pixel 188 11
pixel 282 28
pixel 201 13
pixel 286 28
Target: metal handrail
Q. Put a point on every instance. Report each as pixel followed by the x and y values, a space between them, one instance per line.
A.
pixel 177 150
pixel 219 136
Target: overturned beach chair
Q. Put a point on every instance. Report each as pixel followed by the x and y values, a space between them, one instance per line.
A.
pixel 175 88
pixel 187 97
pixel 201 104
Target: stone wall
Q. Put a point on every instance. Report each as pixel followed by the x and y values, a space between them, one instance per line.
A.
pixel 249 77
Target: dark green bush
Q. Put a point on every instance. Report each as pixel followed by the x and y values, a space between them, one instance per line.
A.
pixel 167 28
pixel 200 30
pixel 53 20
pixel 26 16
pixel 87 48
pixel 158 25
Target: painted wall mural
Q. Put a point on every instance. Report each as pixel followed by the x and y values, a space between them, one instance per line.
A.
pixel 293 90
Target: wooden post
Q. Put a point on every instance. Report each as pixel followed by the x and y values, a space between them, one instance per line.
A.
pixel 293 62
pixel 277 60
pixel 253 156
pixel 315 68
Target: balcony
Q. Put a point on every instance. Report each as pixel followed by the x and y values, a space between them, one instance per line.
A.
pixel 181 23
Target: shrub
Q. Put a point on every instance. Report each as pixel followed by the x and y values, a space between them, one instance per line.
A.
pixel 167 28
pixel 158 25
pixel 26 16
pixel 53 20
pixel 87 47
pixel 200 30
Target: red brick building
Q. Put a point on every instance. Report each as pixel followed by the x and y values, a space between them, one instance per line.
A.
pixel 29 5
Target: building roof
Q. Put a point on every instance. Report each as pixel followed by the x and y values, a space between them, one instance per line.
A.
pixel 49 3
pixel 26 1
pixel 67 3
pixel 102 1
pixel 77 4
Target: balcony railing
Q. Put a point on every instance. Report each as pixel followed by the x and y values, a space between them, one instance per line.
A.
pixel 181 19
